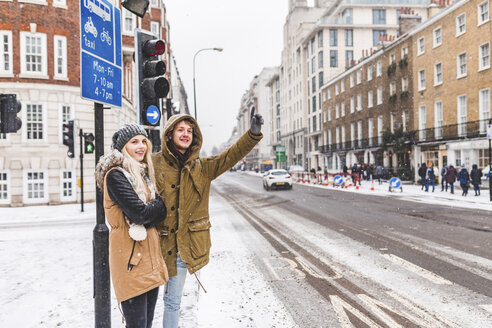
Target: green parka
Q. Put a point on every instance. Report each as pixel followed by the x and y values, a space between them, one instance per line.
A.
pixel 185 191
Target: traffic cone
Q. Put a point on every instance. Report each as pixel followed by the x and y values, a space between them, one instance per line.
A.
pixel 356 187
pixel 372 185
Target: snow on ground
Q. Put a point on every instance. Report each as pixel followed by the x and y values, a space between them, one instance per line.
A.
pixel 46 256
pixel 413 192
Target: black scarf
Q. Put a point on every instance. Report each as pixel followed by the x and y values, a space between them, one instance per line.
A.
pixel 182 158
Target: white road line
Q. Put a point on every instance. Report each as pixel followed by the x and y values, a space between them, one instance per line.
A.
pixel 487 307
pixel 418 270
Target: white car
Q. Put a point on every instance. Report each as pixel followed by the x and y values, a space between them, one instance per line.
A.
pixel 277 179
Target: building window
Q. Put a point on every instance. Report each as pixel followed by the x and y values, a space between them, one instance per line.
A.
pixel 349 57
pixel 320 39
pixel 349 38
pixel 333 58
pixel 129 22
pixel 392 88
pixel 320 59
pixel 379 68
pixel 369 73
pixel 379 16
pixel 380 129
pixel 337 111
pixel 484 56
pixel 404 84
pixel 342 86
pixel 359 76
pixel 422 122
pixel 277 96
pixel 314 123
pixel 333 38
pixel 342 109
pixel 313 44
pixel 5 52
pixel 370 132
pixel 404 52
pixel 484 108
pixel 34 122
pixel 329 113
pixel 347 17
pixel 380 96
pixel 59 3
pixel 460 24
pixel 369 99
pixel 438 119
pixel 437 37
pixel 421 80
pixel 313 84
pixel 336 90
pixel 4 187
pixel 352 105
pixel 438 74
pixel 420 46
pixel 313 65
pixel 67 185
pixel 33 54
pixel 320 80
pixel 359 102
pixel 154 28
pixel 35 186
pixel 461 63
pixel 351 80
pixel 154 3
pixel 483 158
pixel 359 132
pixel 314 104
pixel 376 34
pixel 462 115
pixel 329 93
pixel 392 59
pixel 483 12
pixel 352 134
pixel 60 60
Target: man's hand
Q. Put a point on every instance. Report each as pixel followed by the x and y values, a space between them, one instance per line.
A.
pixel 256 123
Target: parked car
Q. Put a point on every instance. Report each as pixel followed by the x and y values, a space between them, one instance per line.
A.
pixel 277 179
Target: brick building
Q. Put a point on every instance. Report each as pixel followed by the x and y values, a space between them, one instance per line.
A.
pixel 40 63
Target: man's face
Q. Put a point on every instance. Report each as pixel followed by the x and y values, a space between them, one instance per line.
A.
pixel 182 136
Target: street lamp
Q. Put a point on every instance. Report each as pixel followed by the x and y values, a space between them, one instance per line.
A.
pixel 194 89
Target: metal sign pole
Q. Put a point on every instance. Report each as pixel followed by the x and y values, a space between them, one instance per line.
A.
pixel 102 296
pixel 81 133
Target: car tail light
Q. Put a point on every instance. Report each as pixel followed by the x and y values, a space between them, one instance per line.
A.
pixel 271 178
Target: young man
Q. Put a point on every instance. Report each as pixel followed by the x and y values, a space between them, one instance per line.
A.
pixel 183 181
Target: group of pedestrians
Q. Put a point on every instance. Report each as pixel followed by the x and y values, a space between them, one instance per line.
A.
pixel 152 202
pixel 449 175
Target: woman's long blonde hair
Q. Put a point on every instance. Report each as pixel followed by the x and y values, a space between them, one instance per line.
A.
pixel 137 169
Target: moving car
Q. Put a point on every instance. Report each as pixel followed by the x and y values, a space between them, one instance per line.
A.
pixel 277 179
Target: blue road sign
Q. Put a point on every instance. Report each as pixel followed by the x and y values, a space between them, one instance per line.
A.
pixel 338 180
pixel 153 114
pixel 395 183
pixel 100 52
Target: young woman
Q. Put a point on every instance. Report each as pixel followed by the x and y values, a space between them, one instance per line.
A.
pixel 133 209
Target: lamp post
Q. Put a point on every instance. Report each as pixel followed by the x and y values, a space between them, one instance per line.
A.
pixel 194 57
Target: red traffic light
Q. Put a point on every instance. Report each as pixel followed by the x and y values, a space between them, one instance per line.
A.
pixel 153 48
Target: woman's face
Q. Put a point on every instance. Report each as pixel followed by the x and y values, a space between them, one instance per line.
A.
pixel 137 147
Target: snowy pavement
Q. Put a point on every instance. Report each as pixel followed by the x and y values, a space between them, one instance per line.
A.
pixel 46 255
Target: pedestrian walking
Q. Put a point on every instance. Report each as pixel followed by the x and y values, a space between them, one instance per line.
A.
pixel 379 173
pixel 464 178
pixel 422 171
pixel 450 177
pixel 476 179
pixel 183 179
pixel 443 180
pixel 430 177
pixel 133 209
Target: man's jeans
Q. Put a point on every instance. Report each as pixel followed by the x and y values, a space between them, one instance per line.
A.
pixel 430 181
pixel 172 298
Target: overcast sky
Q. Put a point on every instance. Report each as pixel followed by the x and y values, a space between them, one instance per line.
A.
pixel 250 33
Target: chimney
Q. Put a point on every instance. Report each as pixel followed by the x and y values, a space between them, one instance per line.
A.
pixel 409 20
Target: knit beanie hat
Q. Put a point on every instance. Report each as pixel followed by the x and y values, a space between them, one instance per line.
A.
pixel 125 133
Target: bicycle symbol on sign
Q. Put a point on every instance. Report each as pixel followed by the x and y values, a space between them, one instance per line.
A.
pixel 105 37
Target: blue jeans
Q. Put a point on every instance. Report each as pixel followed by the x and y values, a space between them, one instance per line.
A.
pixel 428 182
pixel 173 291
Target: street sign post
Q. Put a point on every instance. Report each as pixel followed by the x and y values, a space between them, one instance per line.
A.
pixel 100 52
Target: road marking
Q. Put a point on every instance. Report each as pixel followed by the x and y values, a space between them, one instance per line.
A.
pixel 487 307
pixel 313 273
pixel 291 268
pixel 431 276
pixel 383 249
pixel 432 319
pixel 339 305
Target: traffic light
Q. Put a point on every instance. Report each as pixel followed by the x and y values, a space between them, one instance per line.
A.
pixel 151 83
pixel 88 143
pixel 9 107
pixel 68 138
